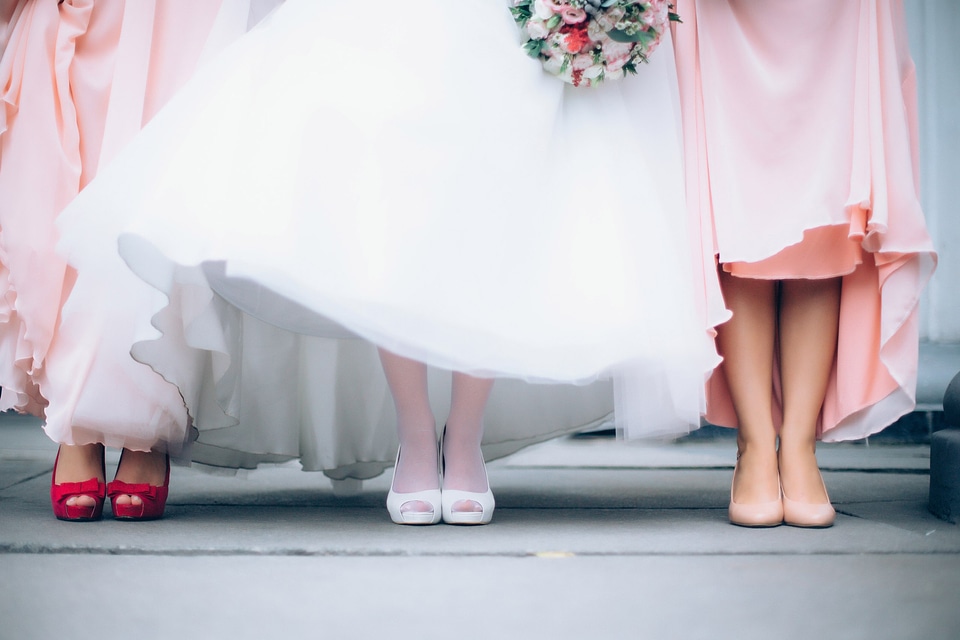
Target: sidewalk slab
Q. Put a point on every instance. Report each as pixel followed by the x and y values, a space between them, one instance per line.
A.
pixel 888 597
pixel 591 538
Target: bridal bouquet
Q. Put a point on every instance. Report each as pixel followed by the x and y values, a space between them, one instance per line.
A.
pixel 585 42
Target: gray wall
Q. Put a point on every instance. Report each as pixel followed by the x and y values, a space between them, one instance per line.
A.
pixel 934 25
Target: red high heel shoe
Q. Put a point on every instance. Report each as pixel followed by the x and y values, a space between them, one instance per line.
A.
pixel 153 499
pixel 60 493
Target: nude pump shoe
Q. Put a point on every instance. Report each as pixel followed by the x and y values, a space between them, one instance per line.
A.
pixel 816 515
pixel 754 514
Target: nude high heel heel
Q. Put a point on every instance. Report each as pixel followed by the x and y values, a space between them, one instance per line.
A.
pixel 754 514
pixel 814 515
pixel 395 502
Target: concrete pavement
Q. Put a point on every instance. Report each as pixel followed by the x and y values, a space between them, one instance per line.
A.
pixel 591 539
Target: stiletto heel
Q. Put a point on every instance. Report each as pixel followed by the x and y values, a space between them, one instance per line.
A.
pixel 60 493
pixel 153 499
pixel 450 497
pixel 395 502
pixel 755 514
pixel 813 515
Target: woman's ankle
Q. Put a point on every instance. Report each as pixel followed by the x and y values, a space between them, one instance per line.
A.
pixel 76 463
pixel 800 474
pixel 464 468
pixel 142 467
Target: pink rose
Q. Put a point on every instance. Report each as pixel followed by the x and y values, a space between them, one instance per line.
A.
pixel 582 61
pixel 613 49
pixel 616 54
pixel 617 64
pixel 572 15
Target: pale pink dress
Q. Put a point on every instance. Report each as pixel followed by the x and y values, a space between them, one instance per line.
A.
pixel 7 9
pixel 77 81
pixel 801 140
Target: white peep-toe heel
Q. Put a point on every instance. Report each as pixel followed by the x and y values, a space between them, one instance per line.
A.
pixel 450 497
pixel 395 502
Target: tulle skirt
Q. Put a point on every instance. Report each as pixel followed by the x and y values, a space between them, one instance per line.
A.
pixel 338 181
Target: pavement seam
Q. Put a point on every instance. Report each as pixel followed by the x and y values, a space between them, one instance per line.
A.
pixel 826 469
pixel 41 550
pixel 28 479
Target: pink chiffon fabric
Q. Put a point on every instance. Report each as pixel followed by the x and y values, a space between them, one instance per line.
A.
pixel 802 162
pixel 77 81
pixel 7 9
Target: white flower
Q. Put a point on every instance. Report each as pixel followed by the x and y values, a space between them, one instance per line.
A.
pixel 541 10
pixel 609 19
pixel 553 64
pixel 613 75
pixel 537 29
pixel 595 31
pixel 593 72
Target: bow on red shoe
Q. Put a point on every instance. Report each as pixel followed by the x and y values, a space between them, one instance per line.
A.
pixel 153 499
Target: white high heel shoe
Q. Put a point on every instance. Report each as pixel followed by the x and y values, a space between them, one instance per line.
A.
pixel 395 502
pixel 450 497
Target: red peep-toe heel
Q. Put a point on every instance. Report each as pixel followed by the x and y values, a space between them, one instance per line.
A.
pixel 60 493
pixel 153 499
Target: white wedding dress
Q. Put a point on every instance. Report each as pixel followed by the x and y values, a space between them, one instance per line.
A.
pixel 352 174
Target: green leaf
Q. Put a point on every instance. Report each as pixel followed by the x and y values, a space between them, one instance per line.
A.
pixel 533 47
pixel 521 15
pixel 621 36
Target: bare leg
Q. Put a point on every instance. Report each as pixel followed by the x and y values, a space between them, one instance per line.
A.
pixel 463 461
pixel 809 318
pixel 746 343
pixel 77 463
pixel 141 467
pixel 416 428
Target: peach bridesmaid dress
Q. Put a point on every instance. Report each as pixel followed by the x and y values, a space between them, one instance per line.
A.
pixel 801 143
pixel 77 80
